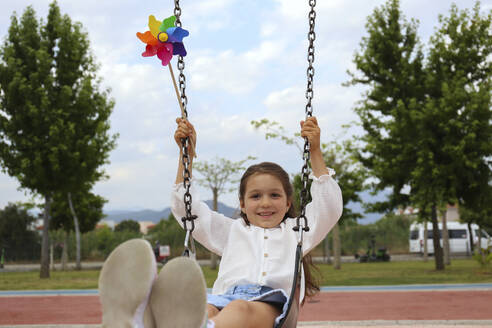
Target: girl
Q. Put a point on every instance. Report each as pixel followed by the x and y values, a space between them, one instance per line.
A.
pixel 258 253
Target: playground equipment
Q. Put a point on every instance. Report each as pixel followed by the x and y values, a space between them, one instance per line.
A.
pixel 372 255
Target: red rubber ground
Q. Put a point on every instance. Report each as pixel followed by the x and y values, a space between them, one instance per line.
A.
pixel 331 306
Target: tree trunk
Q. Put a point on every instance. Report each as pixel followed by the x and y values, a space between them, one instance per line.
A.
pixel 213 256
pixel 445 239
pixel 479 245
pixel 52 260
pixel 472 246
pixel 64 258
pixel 326 250
pixel 337 249
pixel 78 265
pixel 436 238
pixel 45 245
pixel 426 236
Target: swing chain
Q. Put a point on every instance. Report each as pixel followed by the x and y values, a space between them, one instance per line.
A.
pixel 181 64
pixel 310 57
pixel 189 218
pixel 309 113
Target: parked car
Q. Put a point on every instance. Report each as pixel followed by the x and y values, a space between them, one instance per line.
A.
pixel 459 238
pixel 162 253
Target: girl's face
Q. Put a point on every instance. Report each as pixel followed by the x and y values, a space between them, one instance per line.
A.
pixel 265 201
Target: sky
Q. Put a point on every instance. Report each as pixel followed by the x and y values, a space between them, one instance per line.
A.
pixel 246 61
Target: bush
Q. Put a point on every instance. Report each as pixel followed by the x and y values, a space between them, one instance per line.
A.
pixel 484 258
pixel 390 232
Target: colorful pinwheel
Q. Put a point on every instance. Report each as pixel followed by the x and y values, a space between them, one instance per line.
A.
pixel 164 39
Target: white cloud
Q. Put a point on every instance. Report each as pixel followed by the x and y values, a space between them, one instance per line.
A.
pixel 235 73
pixel 146 147
pixel 246 60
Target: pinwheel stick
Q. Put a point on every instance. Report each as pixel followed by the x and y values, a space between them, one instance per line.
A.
pixel 176 89
pixel 179 101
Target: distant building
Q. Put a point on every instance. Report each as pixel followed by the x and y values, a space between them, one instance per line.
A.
pixel 407 211
pixel 452 212
pixel 145 226
pixel 106 223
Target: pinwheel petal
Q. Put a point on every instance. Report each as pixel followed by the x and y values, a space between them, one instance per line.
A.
pixel 167 23
pixel 179 49
pixel 150 50
pixel 147 38
pixel 165 53
pixel 176 34
pixel 154 25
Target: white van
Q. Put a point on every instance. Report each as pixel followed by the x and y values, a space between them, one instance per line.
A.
pixel 459 240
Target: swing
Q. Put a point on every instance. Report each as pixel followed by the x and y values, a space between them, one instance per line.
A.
pixel 290 319
pixel 176 47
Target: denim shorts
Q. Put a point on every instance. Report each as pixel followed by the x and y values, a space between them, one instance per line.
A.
pixel 251 292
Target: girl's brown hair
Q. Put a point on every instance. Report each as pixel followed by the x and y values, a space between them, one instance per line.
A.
pixel 312 284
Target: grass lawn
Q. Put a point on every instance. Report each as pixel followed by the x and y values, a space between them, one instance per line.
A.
pixel 351 274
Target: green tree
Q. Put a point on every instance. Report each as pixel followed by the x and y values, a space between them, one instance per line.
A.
pixel 128 225
pixel 400 148
pixel 17 234
pixel 455 143
pixel 52 113
pixel 219 176
pixel 390 66
pixel 460 73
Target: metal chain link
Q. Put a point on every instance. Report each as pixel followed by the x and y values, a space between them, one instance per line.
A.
pixel 188 219
pixel 309 113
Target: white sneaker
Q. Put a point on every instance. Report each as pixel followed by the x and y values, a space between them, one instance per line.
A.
pixel 125 284
pixel 179 295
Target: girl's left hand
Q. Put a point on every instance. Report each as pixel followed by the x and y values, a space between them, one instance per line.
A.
pixel 311 131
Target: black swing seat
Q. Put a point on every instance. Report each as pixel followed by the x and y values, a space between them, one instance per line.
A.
pixel 290 320
pixel 293 312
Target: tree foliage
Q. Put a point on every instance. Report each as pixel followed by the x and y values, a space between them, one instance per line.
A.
pixel 18 237
pixel 460 72
pixel 390 65
pixel 53 116
pixel 427 126
pixel 89 209
pixel 128 225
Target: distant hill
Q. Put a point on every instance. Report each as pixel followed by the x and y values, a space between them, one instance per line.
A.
pixel 156 216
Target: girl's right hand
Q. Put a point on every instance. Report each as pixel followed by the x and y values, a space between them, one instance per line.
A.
pixel 183 130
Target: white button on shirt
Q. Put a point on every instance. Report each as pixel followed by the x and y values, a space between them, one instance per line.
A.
pixel 254 255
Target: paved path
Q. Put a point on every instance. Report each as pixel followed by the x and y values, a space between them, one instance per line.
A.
pixel 458 306
pixel 97 265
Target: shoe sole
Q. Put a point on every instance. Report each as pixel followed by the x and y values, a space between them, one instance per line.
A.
pixel 125 284
pixel 179 295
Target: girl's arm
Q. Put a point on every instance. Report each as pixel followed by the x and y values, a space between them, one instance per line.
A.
pixel 326 206
pixel 211 228
pixel 311 131
pixel 183 130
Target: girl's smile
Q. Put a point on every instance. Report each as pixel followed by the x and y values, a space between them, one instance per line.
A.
pixel 265 201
